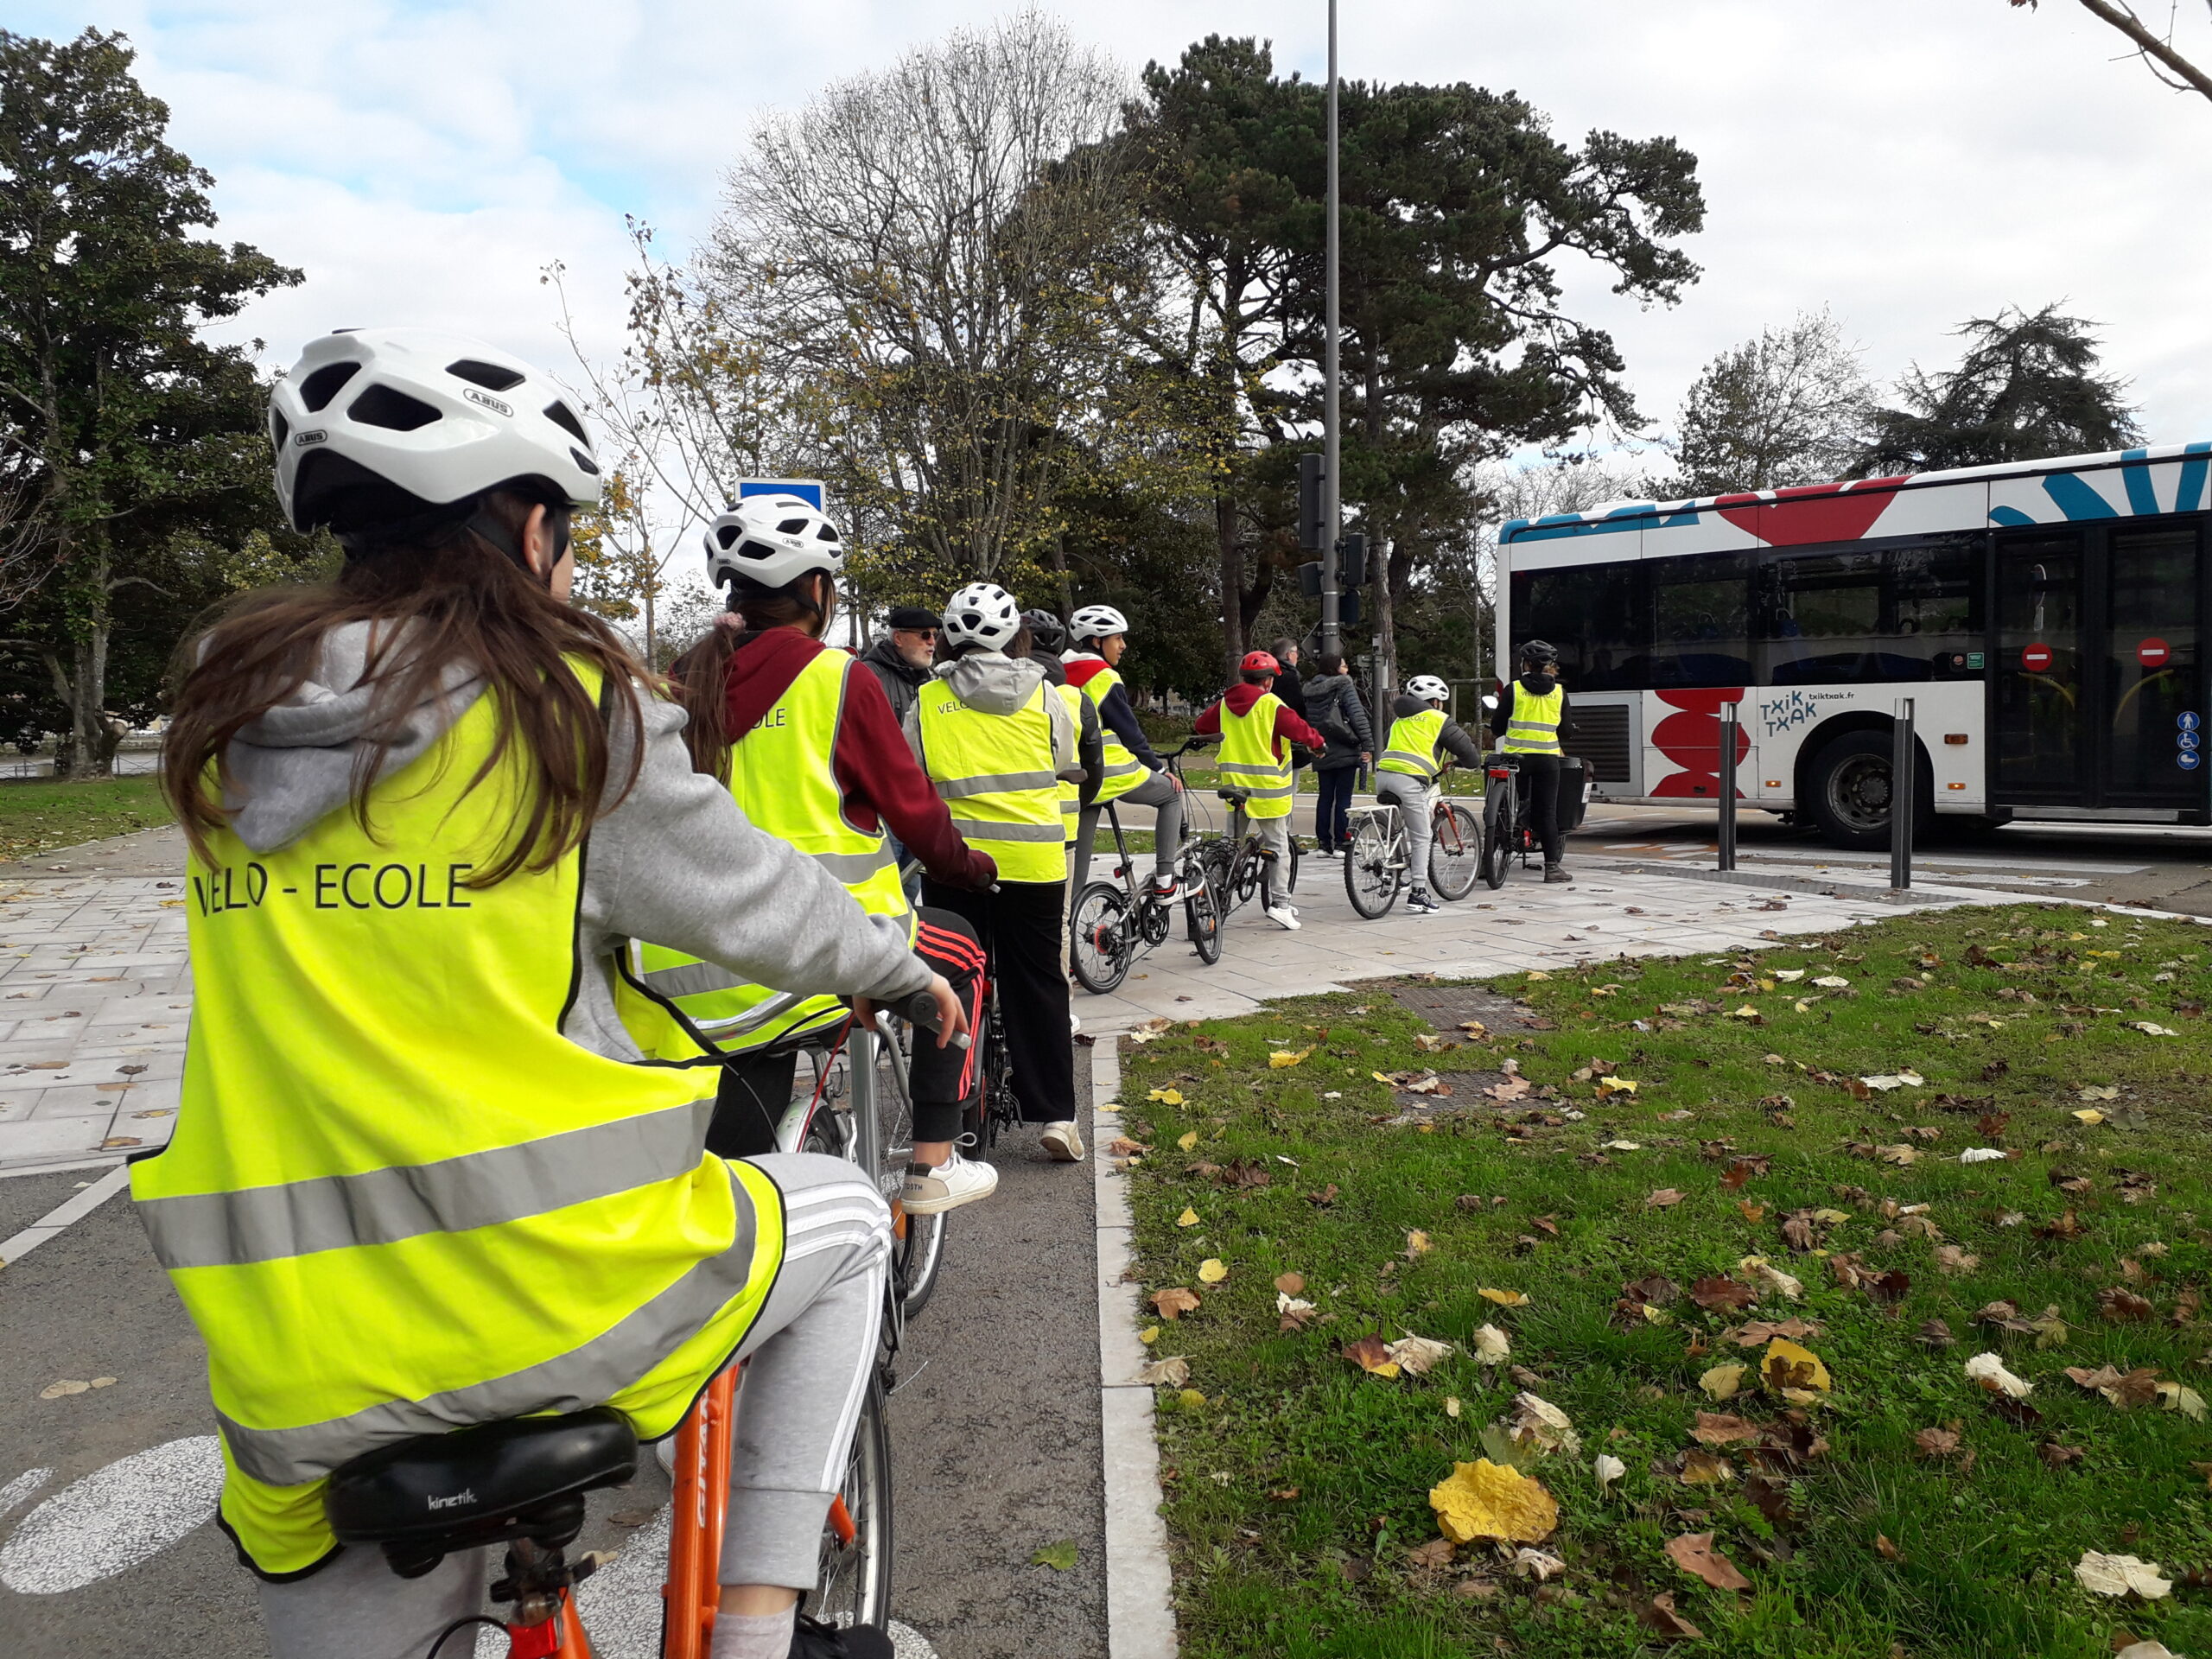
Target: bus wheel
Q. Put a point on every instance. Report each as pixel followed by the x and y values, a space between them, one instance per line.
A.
pixel 1849 788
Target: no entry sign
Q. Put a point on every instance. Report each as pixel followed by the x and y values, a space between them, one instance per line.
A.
pixel 2152 653
pixel 2035 658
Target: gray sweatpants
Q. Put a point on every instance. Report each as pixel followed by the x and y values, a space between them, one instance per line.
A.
pixel 1273 836
pixel 809 1354
pixel 1158 792
pixel 1415 801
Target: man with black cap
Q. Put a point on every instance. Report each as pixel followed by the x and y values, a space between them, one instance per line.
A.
pixel 901 658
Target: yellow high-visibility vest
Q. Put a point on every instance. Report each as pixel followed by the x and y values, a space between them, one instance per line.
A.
pixel 398 1201
pixel 1412 747
pixel 1248 760
pixel 1124 772
pixel 1533 726
pixel 995 772
pixel 1072 793
pixel 781 774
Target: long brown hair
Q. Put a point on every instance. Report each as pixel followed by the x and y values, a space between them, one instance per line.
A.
pixel 454 599
pixel 701 675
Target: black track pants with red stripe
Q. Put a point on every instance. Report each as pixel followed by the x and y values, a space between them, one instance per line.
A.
pixel 754 1093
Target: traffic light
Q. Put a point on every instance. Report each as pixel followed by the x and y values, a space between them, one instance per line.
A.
pixel 1312 535
pixel 1351 563
pixel 1309 580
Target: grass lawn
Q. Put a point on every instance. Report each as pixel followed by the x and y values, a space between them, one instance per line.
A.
pixel 1904 1510
pixel 40 817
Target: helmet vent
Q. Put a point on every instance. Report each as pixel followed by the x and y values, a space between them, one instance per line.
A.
pixel 584 461
pixel 827 533
pixel 279 428
pixel 396 410
pixel 489 376
pixel 790 526
pixel 562 416
pixel 319 388
pixel 753 549
pixel 725 534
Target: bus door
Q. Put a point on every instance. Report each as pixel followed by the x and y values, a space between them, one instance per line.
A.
pixel 2097 689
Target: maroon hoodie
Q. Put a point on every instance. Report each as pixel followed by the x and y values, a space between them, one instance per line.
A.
pixel 883 784
pixel 1239 697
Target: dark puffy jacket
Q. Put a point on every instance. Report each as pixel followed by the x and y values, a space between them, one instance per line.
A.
pixel 902 680
pixel 1334 707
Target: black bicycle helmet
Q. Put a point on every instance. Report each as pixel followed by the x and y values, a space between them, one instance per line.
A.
pixel 1047 631
pixel 1537 652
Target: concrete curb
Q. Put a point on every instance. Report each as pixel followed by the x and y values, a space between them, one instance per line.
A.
pixel 1140 1589
pixel 56 1220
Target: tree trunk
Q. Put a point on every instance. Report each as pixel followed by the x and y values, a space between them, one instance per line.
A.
pixel 81 684
pixel 1232 580
pixel 1061 570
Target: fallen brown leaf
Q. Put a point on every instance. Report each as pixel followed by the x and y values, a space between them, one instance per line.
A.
pixel 2124 1306
pixel 1722 1293
pixel 1934 1333
pixel 1371 1354
pixel 1174 1302
pixel 2060 1456
pixel 1694 1554
pixel 1701 1468
pixel 1885 1549
pixel 1665 1197
pixel 1722 1428
pixel 1291 1284
pixel 1436 1553
pixel 1936 1442
pixel 1658 1616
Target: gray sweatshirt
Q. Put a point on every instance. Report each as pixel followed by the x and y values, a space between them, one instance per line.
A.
pixel 676 863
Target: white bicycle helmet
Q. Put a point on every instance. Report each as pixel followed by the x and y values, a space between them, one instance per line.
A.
pixel 1097 622
pixel 772 540
pixel 982 614
pixel 375 426
pixel 1428 688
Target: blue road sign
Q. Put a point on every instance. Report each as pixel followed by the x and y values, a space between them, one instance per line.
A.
pixel 808 490
pixel 2189 720
pixel 2188 741
pixel 2189 759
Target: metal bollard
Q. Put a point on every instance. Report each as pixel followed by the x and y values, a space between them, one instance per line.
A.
pixel 1905 795
pixel 1728 741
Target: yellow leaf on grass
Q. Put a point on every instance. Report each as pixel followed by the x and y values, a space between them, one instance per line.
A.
pixel 1282 1057
pixel 1503 1298
pixel 1722 1381
pixel 1608 1087
pixel 1538 973
pixel 1167 1096
pixel 1481 1500
pixel 1149 1335
pixel 1417 1243
pixel 1188 1218
pixel 1786 1365
pixel 1212 1271
pixel 1187 1139
pixel 2091 1116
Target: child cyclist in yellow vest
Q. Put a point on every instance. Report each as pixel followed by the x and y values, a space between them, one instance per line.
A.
pixel 805 737
pixel 997 741
pixel 1133 772
pixel 1531 722
pixel 1413 758
pixel 1256 730
pixel 421 1178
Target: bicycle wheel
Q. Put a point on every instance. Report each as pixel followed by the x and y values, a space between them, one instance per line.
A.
pixel 1371 879
pixel 1202 914
pixel 853 1581
pixel 992 1107
pixel 1455 855
pixel 1497 832
pixel 1216 858
pixel 1098 937
pixel 1291 885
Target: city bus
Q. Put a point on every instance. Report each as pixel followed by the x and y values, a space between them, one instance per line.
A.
pixel 2044 617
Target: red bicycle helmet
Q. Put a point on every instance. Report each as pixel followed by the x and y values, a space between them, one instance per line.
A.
pixel 1259 662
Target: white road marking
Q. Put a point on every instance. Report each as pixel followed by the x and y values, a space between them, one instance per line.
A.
pixel 20 1488
pixel 75 1209
pixel 114 1518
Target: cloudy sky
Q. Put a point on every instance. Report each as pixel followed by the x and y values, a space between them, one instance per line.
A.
pixel 1907 163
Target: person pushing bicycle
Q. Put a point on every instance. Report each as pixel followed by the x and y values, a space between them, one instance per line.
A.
pixel 1133 772
pixel 806 741
pixel 1530 720
pixel 421 1180
pixel 1256 730
pixel 1414 757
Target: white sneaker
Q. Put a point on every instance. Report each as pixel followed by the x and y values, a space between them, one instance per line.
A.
pixel 1075 1023
pixel 951 1183
pixel 1283 917
pixel 1064 1141
pixel 1165 888
pixel 1422 902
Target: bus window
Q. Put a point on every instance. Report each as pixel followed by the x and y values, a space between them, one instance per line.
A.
pixel 1589 612
pixel 1700 614
pixel 1874 616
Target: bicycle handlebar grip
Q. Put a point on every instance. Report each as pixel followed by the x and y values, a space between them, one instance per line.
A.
pixel 919 1009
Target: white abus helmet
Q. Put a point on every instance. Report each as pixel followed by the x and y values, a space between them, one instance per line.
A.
pixel 1097 622
pixel 983 613
pixel 1428 688
pixel 772 540
pixel 439 417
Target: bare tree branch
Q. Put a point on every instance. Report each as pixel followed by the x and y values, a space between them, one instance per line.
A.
pixel 2158 52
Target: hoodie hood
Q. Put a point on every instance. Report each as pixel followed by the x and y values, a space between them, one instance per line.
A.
pixel 1239 697
pixel 1083 667
pixel 295 762
pixel 1539 684
pixel 991 681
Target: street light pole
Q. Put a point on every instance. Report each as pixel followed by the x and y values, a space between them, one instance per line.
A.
pixel 1332 485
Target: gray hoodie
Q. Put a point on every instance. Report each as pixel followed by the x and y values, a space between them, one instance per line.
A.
pixel 676 862
pixel 993 682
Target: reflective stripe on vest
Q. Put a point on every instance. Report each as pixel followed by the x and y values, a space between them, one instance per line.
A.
pixel 1248 760
pixel 1533 726
pixel 1412 748
pixel 995 773
pixel 1072 793
pixel 782 774
pixel 398 1200
pixel 1124 772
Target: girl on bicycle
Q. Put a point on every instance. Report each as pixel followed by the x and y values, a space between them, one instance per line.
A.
pixel 804 738
pixel 1413 758
pixel 420 1178
pixel 996 742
